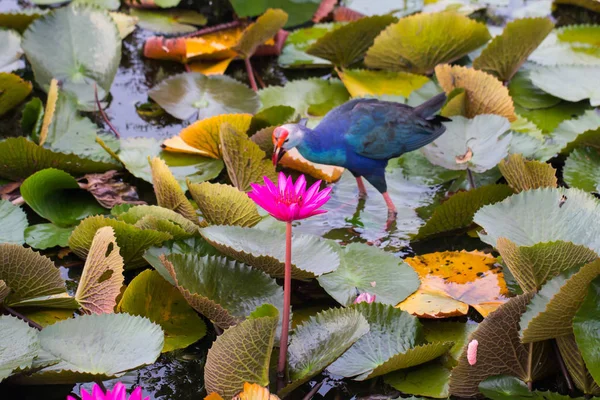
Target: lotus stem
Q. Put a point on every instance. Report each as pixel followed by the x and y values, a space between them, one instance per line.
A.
pixel 563 367
pixel 471 178
pixel 259 79
pixel 530 368
pixel 314 390
pixel 103 114
pixel 23 318
pixel 250 72
pixel 287 292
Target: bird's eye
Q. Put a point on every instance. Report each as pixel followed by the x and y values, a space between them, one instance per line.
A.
pixel 286 140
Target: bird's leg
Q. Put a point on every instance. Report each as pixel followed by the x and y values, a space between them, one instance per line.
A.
pixel 392 213
pixel 362 190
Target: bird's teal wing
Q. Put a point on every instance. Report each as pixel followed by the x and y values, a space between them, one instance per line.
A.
pixel 383 130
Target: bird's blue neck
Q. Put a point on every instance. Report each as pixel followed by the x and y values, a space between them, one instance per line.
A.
pixel 319 147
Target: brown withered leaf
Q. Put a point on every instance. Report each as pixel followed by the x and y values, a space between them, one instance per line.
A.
pixel 109 190
pixel 522 174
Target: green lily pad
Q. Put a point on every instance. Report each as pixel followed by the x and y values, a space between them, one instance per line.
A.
pixel 168 192
pixel 498 336
pixel 168 308
pixel 550 312
pixel 19 20
pixel 532 266
pixel 242 354
pixel 366 269
pixel 77 45
pixel 19 345
pixel 478 144
pixel 576 366
pixel 272 116
pixel 548 119
pixel 264 28
pixel 14 223
pixel 192 94
pixel 505 54
pixel 309 97
pixel 542 215
pixel 504 387
pixel 169 21
pixel 45 236
pixel 399 9
pixel 568 45
pixel 457 332
pixel 33 116
pixel 299 11
pixel 582 170
pixel 10 51
pixel 363 82
pixel 348 44
pixel 32 278
pixel 429 380
pixel 142 215
pixel 522 174
pixel 224 205
pixel 56 196
pixel 570 130
pixel 311 255
pixel 391 330
pixel 224 291
pixel 586 324
pixel 569 82
pixel 98 347
pixel 458 211
pixel 134 153
pixel 132 241
pixel 416 167
pixel 420 42
pixel 13 90
pixel 320 341
pixel 525 94
pixel 20 157
pixel 294 55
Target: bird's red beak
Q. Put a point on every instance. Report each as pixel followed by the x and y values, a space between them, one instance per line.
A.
pixel 279 137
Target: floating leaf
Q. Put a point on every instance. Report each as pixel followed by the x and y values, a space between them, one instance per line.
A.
pixel 125 23
pixel 548 119
pixel 416 167
pixel 10 51
pixel 485 94
pixel 168 308
pixel 20 157
pixel 359 360
pixel 504 387
pixel 32 278
pixel 576 365
pixel 311 255
pixel 204 136
pixel 550 312
pixel 505 54
pixel 363 82
pixel 33 115
pixel 102 276
pixel 453 281
pixel 429 380
pixel 242 354
pixel 525 94
pixel 168 192
pixel 309 97
pixel 13 90
pixel 14 223
pixel 320 341
pixel 582 170
pixel 299 12
pixel 500 351
pixel 224 205
pixel 132 241
pixel 568 45
pixel 542 215
pixel 570 129
pixel 56 196
pixel 169 21
pixel 348 44
pixel 293 54
pixel 265 28
pixel 522 174
pixel 76 45
pixel 19 20
pixel 457 212
pixel 532 266
pixel 193 94
pixel 420 42
pixel 585 326
pixel 367 7
pixel 294 160
pixel 446 331
pixel 569 82
pixel 477 144
pixel 270 117
pixel 143 215
pixel 224 291
pixel 45 236
pixel 19 345
pixel 245 161
pixel 98 347
pixel 365 269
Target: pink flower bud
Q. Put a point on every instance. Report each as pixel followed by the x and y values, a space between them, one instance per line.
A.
pixel 472 352
pixel 366 297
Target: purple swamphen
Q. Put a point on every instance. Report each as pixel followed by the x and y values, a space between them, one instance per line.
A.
pixel 362 135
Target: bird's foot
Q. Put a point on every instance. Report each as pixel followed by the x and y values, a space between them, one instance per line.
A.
pixel 362 190
pixel 391 219
pixel 362 195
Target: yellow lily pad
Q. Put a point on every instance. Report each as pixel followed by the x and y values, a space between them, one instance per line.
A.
pixel 522 174
pixel 362 82
pixel 328 173
pixel 168 192
pixel 13 90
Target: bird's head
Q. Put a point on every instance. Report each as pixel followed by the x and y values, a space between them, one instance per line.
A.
pixel 286 137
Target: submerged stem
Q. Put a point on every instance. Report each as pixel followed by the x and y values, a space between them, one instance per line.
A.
pixel 287 295
pixel 530 367
pixel 471 178
pixel 23 318
pixel 250 72
pixel 563 367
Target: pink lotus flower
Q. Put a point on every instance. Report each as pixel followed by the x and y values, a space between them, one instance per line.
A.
pixel 472 352
pixel 289 201
pixel 117 393
pixel 365 297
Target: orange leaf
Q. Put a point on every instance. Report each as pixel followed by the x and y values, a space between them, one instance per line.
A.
pixel 452 281
pixel 253 391
pixel 214 46
pixel 210 67
pixel 294 160
pixel 159 48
